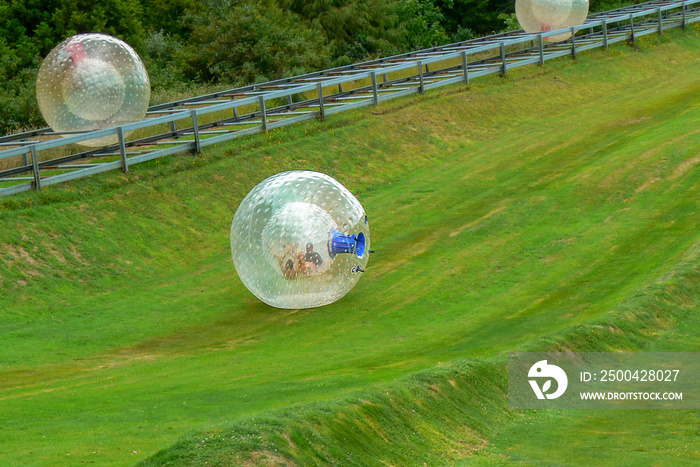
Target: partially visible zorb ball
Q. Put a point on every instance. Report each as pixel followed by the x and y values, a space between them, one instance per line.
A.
pixel 299 239
pixel 91 82
pixel 547 15
pixel 579 13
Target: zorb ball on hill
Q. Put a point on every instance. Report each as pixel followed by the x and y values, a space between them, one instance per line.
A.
pixel 547 15
pixel 91 82
pixel 299 239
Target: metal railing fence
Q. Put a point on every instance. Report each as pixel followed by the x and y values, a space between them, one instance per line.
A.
pixel 231 114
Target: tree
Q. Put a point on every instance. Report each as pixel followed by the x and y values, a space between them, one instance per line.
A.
pixel 421 21
pixel 167 16
pixel 119 18
pixel 356 29
pixel 480 16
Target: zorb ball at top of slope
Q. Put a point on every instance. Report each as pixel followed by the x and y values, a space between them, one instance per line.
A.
pixel 91 82
pixel 299 239
pixel 547 15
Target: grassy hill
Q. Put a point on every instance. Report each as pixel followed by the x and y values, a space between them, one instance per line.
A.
pixel 557 208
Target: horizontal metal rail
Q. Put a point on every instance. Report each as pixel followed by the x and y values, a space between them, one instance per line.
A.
pixel 191 124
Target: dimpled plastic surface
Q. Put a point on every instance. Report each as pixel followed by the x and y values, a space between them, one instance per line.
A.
pixel 273 228
pixel 90 82
pixel 547 15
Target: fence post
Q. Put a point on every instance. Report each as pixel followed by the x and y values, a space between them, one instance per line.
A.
pixel 661 27
pixel 25 159
pixel 375 91
pixel 503 57
pixel 263 112
pixel 632 28
pixel 541 47
pixel 322 111
pixel 421 87
pixel 173 127
pixel 573 42
pixel 683 14
pixel 465 64
pixel 605 33
pixel 35 168
pixel 340 87
pixel 195 125
pixel 122 149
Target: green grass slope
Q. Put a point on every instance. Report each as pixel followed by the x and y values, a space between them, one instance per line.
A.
pixel 456 413
pixel 521 212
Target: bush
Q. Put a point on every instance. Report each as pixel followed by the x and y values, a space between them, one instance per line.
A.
pixel 248 42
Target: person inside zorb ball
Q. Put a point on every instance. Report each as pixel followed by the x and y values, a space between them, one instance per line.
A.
pixel 300 239
pixel 90 82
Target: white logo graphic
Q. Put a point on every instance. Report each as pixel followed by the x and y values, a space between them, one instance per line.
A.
pixel 542 370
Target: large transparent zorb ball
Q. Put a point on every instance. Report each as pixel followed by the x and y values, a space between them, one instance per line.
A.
pixel 299 239
pixel 547 15
pixel 91 82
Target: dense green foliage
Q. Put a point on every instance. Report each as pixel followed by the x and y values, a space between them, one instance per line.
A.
pixel 246 42
pixel 188 43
